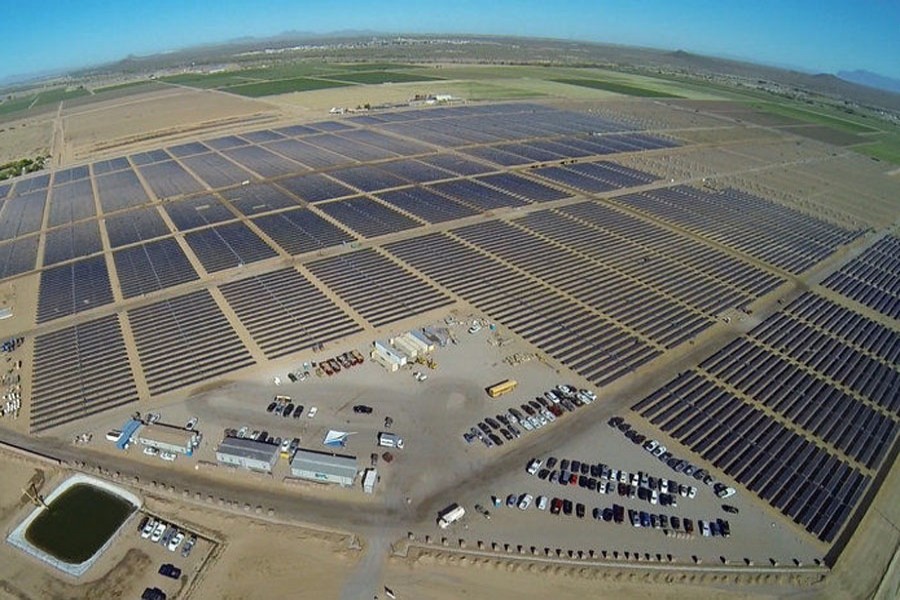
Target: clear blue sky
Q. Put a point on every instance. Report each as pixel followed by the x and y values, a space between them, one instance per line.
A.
pixel 820 36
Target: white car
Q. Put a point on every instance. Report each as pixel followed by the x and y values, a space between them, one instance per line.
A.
pixel 148 529
pixel 548 415
pixel 175 541
pixel 526 424
pixel 654 497
pixel 589 394
pixel 651 445
pixel 541 503
pixel 151 451
pixel 534 465
pixel 584 397
pixel 312 412
pixel 659 451
pixel 525 501
pixel 191 424
pixel 157 532
pixel 692 492
pixel 475 328
pixel 168 456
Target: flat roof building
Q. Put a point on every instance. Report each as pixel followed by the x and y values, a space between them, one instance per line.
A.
pixel 324 468
pixel 167 438
pixel 247 454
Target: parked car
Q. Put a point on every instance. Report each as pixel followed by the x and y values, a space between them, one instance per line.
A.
pixel 525 501
pixel 188 546
pixel 313 410
pixel 175 541
pixel 730 509
pixel 541 503
pixel 191 424
pixel 170 570
pixel 288 410
pixel 148 528
pixel 298 411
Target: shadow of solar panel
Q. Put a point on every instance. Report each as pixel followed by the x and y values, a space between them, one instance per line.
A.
pixel 198 212
pixel 22 215
pixel 285 313
pixel 263 162
pixel 306 154
pixel 226 142
pixel 523 188
pixel 300 230
pixel 71 202
pixel 189 149
pixel 226 246
pixel 119 190
pixel 471 193
pixel 71 241
pixel 150 267
pixel 101 167
pixel 168 179
pixel 73 288
pixel 427 205
pixel 148 158
pixel 457 164
pixel 78 372
pixel 18 256
pixel 216 170
pixel 135 226
pixel 69 175
pixel 367 217
pixel 377 288
pixel 367 179
pixel 255 199
pixel 315 187
pixel 263 135
pixel 185 340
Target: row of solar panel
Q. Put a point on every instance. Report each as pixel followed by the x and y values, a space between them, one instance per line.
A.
pixel 587 342
pixel 762 229
pixel 873 278
pixel 810 485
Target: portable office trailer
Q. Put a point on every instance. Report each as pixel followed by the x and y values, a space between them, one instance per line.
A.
pixel 370 478
pixel 324 468
pixel 247 454
pixel 167 438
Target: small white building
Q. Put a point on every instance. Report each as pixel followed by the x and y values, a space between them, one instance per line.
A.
pixel 370 478
pixel 166 438
pixel 247 454
pixel 324 468
pixel 387 357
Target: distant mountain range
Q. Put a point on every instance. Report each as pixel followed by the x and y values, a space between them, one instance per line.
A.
pixel 873 80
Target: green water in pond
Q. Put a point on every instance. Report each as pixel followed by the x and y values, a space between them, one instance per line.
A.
pixel 78 523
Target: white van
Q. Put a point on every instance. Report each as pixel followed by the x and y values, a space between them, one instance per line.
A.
pixel 390 440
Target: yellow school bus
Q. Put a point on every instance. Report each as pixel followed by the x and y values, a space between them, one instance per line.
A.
pixel 504 387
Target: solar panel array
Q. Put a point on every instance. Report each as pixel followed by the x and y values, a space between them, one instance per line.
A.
pixel 147 268
pixel 300 230
pixel 376 287
pixel 802 410
pixel 73 288
pixel 185 340
pixel 789 471
pixel 585 341
pixel 759 228
pixel 285 313
pixel 80 371
pixel 226 246
pixel 873 278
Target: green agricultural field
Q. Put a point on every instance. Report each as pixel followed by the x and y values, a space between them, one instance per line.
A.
pixel 16 104
pixel 282 86
pixel 809 116
pixel 618 88
pixel 215 80
pixel 376 77
pixel 58 95
pixel 886 149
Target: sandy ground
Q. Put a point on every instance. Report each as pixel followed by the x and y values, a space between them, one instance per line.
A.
pixel 103 127
pixel 25 139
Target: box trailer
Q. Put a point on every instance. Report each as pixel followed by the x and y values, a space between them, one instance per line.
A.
pixel 390 440
pixel 450 515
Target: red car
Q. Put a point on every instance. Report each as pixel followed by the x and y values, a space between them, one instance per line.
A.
pixel 555 506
